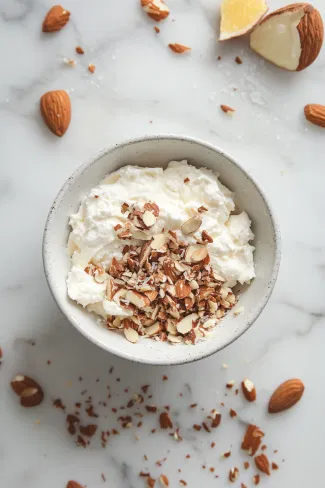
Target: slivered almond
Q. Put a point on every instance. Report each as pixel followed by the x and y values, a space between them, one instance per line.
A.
pixel 153 329
pixel 158 241
pixel 196 253
pixel 191 225
pixel 137 299
pixel 174 339
pixel 152 295
pixel 148 218
pixel 131 335
pixel 183 289
pixel 119 294
pixel 140 234
pixel 249 390
pixel 186 324
pixel 179 48
pixel 233 474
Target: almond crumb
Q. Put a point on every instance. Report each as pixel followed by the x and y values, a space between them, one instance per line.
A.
pixel 227 454
pixel 275 466
pixel 233 474
pixel 91 68
pixel 246 464
pixel 227 110
pixel 179 48
pixel 186 180
pixel 232 413
pixel 79 50
pixel 256 479
pixel 157 29
pixel 238 60
pixel 230 384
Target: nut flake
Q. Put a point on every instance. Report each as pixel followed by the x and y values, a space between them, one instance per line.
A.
pixel 164 480
pixel 131 335
pixel 191 225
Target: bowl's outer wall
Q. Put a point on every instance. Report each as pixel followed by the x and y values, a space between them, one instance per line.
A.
pixel 158 152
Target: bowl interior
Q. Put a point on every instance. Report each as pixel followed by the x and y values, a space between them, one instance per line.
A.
pixel 158 152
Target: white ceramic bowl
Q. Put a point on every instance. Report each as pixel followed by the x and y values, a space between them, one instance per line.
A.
pixel 158 151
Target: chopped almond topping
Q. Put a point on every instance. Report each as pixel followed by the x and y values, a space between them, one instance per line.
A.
pixel 157 29
pixel 79 50
pixel 186 180
pixel 275 466
pixel 246 464
pixel 238 60
pixel 91 68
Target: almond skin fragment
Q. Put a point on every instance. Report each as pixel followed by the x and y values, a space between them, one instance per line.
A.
pixel 164 480
pixel 56 111
pixel 286 396
pixel 56 18
pixel 315 114
pixel 79 50
pixel 262 463
pixel 179 48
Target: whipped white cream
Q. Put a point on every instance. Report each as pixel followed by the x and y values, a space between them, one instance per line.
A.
pixel 93 238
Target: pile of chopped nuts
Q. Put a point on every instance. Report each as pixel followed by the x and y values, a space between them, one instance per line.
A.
pixel 166 286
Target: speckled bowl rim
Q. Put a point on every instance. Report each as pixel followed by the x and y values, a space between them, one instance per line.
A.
pixel 83 167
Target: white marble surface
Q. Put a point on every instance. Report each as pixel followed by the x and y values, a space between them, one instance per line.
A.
pixel 140 87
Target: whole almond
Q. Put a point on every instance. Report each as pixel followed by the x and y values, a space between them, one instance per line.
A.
pixel 315 114
pixel 74 484
pixel 249 390
pixel 262 463
pixel 286 395
pixel 56 18
pixel 28 390
pixel 56 111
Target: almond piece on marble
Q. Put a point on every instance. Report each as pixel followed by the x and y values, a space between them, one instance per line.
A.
pixel 286 395
pixel 56 111
pixel 155 9
pixel 56 18
pixel 28 390
pixel 179 48
pixel 249 390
